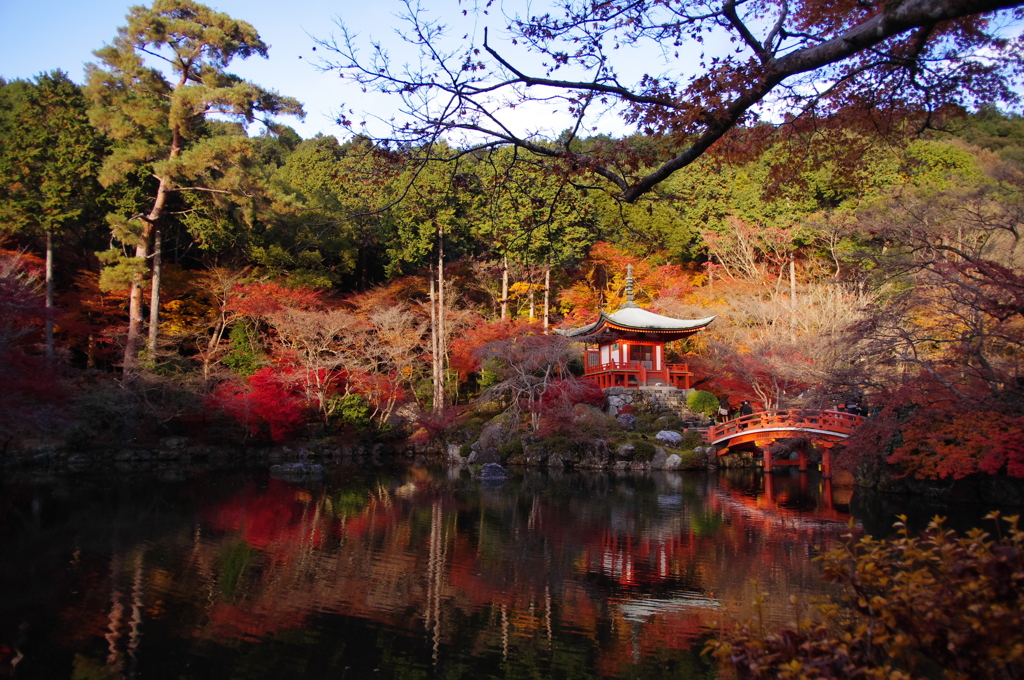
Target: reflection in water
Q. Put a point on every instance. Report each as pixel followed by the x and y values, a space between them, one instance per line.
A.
pixel 407 574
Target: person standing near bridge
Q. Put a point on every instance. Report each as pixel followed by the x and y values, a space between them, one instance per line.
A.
pixel 745 410
pixel 723 409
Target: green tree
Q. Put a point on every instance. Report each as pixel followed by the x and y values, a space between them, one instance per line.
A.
pixel 327 224
pixel 995 130
pixel 155 123
pixel 12 99
pixel 49 157
pixel 531 217
pixel 431 225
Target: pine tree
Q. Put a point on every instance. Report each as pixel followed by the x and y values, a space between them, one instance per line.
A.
pixel 156 125
pixel 49 160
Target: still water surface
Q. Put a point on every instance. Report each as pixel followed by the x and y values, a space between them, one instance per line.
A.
pixel 399 574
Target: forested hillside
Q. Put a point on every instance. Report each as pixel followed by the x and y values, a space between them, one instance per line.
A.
pixel 287 285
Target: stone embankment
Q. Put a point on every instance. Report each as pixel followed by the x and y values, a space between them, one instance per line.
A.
pixel 180 453
pixel 597 455
pixel 654 399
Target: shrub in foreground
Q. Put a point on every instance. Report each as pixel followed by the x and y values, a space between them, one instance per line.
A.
pixel 934 606
pixel 643 451
pixel 690 460
pixel 692 439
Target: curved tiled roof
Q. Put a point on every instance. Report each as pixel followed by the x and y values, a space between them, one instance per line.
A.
pixel 638 320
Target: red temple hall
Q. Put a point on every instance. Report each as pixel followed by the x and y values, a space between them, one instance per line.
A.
pixel 630 348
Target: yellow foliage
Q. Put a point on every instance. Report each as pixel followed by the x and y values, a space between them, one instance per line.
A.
pixel 524 288
pixel 932 606
pixel 187 307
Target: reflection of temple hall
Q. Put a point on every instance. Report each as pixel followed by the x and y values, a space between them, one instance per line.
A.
pixel 630 348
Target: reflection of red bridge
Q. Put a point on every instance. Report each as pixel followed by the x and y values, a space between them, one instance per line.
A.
pixel 824 428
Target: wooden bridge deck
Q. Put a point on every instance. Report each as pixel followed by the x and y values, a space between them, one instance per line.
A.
pixel 824 428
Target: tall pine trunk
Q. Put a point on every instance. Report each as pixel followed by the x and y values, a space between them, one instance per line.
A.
pixel 151 230
pixel 533 305
pixel 434 344
pixel 154 293
pixel 131 343
pixel 792 281
pixel 49 294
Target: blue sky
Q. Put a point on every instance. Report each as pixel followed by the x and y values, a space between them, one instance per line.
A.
pixel 42 35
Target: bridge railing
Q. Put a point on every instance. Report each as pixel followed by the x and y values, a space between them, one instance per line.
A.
pixel 836 422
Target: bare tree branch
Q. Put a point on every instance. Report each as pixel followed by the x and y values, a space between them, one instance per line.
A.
pixel 916 53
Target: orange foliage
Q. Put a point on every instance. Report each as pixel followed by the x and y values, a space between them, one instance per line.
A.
pixel 33 265
pixel 401 289
pixel 465 357
pixel 377 388
pixel 717 378
pixel 22 306
pixel 930 433
pixel 605 287
pixel 261 299
pixel 957 442
pixel 89 318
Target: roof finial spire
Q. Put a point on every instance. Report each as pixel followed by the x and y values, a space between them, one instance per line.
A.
pixel 629 287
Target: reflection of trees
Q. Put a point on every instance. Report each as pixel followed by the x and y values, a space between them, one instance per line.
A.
pixel 581 572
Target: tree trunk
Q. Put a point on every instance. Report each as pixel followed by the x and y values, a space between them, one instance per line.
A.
pixel 547 297
pixel 131 343
pixel 49 294
pixel 792 296
pixel 131 350
pixel 504 287
pixel 434 344
pixel 154 293
pixel 792 281
pixel 442 343
pixel 211 347
pixel 153 227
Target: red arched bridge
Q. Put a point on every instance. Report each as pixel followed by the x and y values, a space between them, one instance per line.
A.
pixel 824 428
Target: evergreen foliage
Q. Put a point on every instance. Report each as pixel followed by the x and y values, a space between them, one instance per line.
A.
pixel 157 126
pixel 702 402
pixel 49 158
pixel 244 357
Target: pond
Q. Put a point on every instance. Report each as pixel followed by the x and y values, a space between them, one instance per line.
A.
pixel 406 573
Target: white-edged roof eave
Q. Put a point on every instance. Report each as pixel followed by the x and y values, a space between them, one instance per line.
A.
pixel 641 319
pixel 635 318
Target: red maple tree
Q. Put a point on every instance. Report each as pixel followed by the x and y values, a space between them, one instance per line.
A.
pixel 268 404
